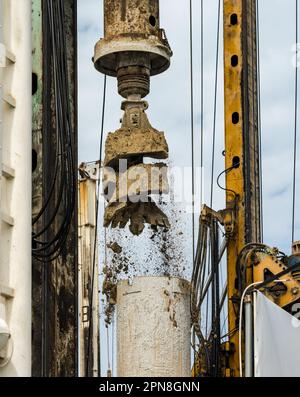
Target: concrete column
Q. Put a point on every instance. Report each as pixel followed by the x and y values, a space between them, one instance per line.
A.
pixel 153 327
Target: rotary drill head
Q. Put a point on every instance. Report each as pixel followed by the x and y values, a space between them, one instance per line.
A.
pixel 133 49
pixel 134 46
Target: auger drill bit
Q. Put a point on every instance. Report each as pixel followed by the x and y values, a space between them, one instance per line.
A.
pixel 133 49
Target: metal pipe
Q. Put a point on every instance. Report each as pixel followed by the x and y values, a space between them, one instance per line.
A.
pixel 208 282
pixel 248 337
pixel 223 297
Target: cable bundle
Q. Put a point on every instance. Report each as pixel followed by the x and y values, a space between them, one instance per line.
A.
pixel 58 208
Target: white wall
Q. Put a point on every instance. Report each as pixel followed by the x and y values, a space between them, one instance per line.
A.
pixel 15 229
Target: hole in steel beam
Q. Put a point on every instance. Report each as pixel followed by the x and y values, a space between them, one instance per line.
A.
pixel 235 118
pixel 233 19
pixel 236 162
pixel 234 61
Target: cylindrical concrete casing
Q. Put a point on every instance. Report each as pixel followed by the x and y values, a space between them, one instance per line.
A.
pixel 153 327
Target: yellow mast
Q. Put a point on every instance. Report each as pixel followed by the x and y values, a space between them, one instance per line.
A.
pixel 242 150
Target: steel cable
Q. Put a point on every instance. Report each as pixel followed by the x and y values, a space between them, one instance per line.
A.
pixel 201 100
pixel 96 225
pixel 295 126
pixel 64 179
pixel 215 104
pixel 192 125
pixel 259 121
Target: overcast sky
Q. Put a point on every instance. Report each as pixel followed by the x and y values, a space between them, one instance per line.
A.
pixel 169 101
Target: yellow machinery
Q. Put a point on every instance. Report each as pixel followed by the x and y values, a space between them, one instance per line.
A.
pixel 249 262
pixel 133 49
pixel 241 146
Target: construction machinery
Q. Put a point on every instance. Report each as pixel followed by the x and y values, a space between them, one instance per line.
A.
pixel 50 264
pixel 134 48
pixel 250 263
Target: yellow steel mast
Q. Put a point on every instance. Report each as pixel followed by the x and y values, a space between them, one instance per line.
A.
pixel 242 150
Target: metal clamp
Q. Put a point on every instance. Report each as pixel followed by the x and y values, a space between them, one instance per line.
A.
pixel 225 217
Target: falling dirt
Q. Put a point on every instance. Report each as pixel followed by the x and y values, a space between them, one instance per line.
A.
pixel 119 265
pixel 157 252
pixel 115 247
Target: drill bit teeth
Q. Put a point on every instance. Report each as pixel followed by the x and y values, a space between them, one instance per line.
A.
pixel 136 214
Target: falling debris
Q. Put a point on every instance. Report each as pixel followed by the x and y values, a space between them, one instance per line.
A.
pixel 158 252
pixel 118 265
pixel 115 247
